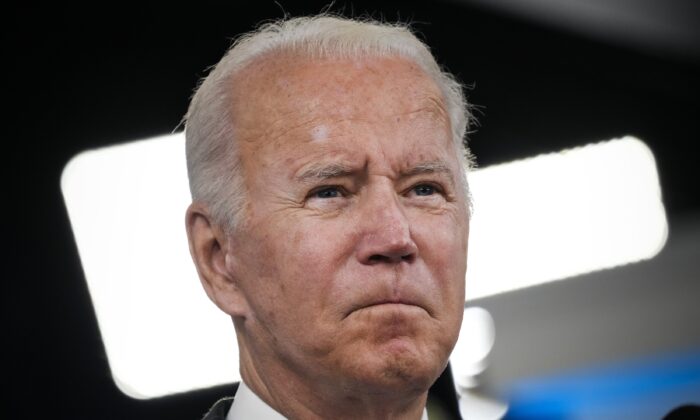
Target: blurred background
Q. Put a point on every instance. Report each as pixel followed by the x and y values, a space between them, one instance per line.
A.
pixel 543 75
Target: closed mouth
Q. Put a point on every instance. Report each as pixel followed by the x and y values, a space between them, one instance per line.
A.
pixel 384 302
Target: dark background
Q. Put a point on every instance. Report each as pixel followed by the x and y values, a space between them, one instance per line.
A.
pixel 91 76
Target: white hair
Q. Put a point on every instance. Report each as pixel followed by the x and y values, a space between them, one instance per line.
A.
pixel 213 164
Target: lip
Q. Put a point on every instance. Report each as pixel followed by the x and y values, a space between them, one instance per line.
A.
pixel 391 302
pixel 382 302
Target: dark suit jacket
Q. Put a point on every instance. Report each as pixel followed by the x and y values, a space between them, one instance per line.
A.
pixel 219 410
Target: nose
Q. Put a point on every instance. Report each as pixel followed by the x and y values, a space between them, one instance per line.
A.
pixel 385 233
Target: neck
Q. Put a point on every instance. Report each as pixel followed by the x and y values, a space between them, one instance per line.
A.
pixel 301 397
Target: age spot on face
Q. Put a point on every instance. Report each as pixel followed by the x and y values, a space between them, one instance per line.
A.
pixel 319 134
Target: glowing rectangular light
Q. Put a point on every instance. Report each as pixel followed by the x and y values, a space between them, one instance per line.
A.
pixel 563 214
pixel 127 208
pixel 535 220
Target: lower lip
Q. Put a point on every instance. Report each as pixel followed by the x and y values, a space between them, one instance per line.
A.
pixel 392 303
pixel 393 306
pixel 389 308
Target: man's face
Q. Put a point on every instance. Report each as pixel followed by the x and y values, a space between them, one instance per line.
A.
pixel 352 257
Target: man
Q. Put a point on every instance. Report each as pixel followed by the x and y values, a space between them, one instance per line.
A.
pixel 330 217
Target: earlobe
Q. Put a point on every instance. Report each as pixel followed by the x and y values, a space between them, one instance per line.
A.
pixel 208 248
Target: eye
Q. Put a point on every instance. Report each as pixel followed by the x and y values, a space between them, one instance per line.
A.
pixel 424 189
pixel 327 198
pixel 327 192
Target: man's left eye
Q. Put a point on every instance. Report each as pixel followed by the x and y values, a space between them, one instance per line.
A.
pixel 424 189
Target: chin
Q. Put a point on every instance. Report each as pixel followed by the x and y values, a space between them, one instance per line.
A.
pixel 402 367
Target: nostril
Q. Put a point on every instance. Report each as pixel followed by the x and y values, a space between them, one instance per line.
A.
pixel 378 258
pixel 407 257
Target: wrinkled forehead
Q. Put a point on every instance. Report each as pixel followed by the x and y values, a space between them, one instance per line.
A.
pixel 287 87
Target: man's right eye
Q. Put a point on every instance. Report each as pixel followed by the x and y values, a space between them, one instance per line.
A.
pixel 327 192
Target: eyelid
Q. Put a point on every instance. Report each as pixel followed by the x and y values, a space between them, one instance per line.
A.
pixel 343 192
pixel 438 186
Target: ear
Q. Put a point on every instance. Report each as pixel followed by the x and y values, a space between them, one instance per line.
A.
pixel 209 247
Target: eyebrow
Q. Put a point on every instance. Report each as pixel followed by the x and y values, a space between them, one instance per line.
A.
pixel 324 171
pixel 436 166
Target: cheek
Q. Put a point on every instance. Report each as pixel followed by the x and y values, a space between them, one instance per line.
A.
pixel 317 250
pixel 296 264
pixel 444 250
pixel 300 304
pixel 442 243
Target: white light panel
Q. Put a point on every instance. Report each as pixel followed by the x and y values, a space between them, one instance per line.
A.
pixel 127 208
pixel 562 214
pixel 536 220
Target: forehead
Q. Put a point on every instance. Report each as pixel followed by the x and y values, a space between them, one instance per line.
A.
pixel 277 90
pixel 306 109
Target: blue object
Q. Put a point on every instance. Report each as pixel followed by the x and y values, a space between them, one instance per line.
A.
pixel 646 388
